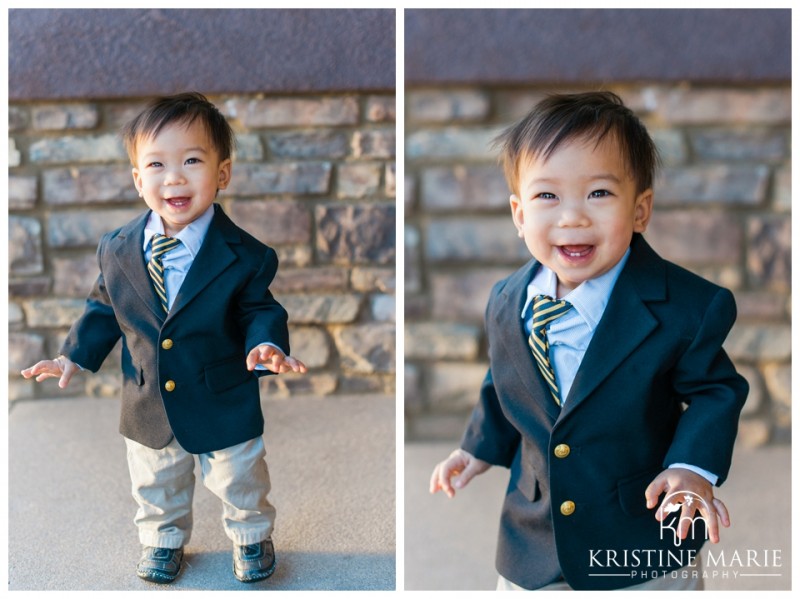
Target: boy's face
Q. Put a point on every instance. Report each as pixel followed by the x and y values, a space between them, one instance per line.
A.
pixel 178 173
pixel 578 210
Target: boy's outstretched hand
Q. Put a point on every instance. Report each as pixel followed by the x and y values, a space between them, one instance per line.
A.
pixel 674 480
pixel 61 367
pixel 462 465
pixel 273 360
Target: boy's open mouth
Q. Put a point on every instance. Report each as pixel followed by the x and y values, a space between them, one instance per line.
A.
pixel 178 202
pixel 576 251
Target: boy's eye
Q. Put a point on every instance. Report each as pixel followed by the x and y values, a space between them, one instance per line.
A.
pixel 192 160
pixel 600 193
pixel 155 164
pixel 546 195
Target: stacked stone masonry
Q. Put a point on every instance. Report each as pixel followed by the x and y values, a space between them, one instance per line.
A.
pixel 313 176
pixel 723 202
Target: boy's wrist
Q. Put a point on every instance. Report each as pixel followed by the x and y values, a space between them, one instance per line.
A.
pixel 709 476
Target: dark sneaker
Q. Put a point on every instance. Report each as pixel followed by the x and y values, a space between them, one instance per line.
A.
pixel 159 564
pixel 254 562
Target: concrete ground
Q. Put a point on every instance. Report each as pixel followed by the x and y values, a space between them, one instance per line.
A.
pixel 450 544
pixel 332 463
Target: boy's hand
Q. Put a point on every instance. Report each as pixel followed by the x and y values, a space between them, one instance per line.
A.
pixel 61 367
pixel 273 360
pixel 461 464
pixel 673 480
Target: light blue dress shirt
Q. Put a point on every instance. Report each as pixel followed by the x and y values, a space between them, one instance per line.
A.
pixel 570 335
pixel 178 260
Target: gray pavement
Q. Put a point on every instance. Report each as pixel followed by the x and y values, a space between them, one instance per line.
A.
pixel 332 464
pixel 450 543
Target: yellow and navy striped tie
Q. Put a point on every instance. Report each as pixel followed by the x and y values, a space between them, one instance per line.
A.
pixel 545 311
pixel 159 246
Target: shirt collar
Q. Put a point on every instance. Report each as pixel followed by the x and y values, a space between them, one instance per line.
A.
pixel 589 298
pixel 191 236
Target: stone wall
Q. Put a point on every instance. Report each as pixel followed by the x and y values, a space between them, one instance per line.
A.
pixel 722 210
pixel 313 176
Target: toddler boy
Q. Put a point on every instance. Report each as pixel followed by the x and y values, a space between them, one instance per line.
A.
pixel 188 293
pixel 608 385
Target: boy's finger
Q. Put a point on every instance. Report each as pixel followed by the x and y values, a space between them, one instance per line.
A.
pixel 433 485
pixel 448 471
pixel 710 516
pixel 65 378
pixel 722 511
pixel 653 490
pixel 437 479
pixel 256 356
pixel 295 364
pixel 267 351
pixel 46 371
pixel 37 368
pixel 444 481
pixel 687 513
pixel 260 355
pixel 466 475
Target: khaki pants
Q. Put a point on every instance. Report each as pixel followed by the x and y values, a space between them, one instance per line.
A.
pixel 162 482
pixel 674 581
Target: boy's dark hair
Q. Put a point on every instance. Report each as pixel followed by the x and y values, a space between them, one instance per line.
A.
pixel 181 108
pixel 565 117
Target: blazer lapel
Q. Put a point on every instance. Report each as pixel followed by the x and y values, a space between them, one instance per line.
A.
pixel 507 318
pixel 626 322
pixel 127 248
pixel 214 257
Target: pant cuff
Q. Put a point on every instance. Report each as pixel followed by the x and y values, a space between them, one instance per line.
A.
pixel 168 541
pixel 249 537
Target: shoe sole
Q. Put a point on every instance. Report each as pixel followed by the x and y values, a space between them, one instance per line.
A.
pixel 157 577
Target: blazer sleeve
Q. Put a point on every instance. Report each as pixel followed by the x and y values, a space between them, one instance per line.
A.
pixel 260 315
pixel 94 334
pixel 490 436
pixel 706 380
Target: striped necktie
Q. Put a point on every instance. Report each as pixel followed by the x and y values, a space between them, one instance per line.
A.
pixel 159 246
pixel 545 311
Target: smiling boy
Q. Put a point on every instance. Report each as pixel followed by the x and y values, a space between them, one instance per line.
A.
pixel 607 384
pixel 187 291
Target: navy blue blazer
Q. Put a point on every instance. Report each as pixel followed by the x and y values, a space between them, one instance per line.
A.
pixel 654 388
pixel 184 374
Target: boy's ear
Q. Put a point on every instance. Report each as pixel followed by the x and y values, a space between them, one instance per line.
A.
pixel 224 174
pixel 137 180
pixel 642 210
pixel 516 211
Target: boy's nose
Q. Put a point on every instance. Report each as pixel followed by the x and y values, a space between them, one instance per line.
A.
pixel 173 177
pixel 572 216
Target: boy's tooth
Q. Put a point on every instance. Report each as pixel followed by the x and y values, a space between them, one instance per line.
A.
pixel 576 250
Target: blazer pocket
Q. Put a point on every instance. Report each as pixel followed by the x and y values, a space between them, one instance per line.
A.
pixel 134 374
pixel 631 492
pixel 227 374
pixel 529 486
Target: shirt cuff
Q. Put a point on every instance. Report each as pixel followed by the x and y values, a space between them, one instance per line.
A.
pixel 710 477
